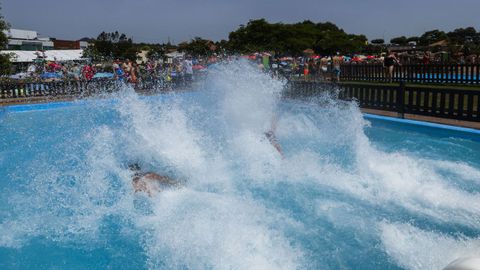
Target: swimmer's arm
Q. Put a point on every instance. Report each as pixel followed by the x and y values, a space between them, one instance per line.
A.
pixel 277 146
pixel 273 141
pixel 161 178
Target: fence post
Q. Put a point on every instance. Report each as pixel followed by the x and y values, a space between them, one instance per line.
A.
pixel 401 100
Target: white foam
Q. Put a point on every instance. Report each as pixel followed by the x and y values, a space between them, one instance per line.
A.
pixel 213 222
pixel 201 230
pixel 417 249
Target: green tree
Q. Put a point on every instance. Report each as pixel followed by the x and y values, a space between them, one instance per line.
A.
pixel 198 46
pixel 378 41
pixel 156 51
pixel 293 39
pixel 223 46
pixel 399 40
pixel 108 46
pixel 433 36
pixel 5 63
pixel 461 36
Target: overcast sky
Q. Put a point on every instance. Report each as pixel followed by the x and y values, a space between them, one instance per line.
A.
pixel 179 20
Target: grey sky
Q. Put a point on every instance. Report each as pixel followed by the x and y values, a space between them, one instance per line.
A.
pixel 156 20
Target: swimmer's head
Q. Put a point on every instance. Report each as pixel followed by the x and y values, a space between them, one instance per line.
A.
pixel 134 167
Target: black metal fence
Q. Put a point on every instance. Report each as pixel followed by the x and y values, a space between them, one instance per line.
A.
pixel 414 73
pixel 437 102
pixel 59 88
pixel 421 100
pixel 14 90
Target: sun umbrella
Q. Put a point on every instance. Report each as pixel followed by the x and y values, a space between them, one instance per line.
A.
pixel 20 75
pixel 198 67
pixel 101 75
pixel 50 75
pixel 308 51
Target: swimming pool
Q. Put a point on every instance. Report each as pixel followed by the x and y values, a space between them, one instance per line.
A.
pixel 350 193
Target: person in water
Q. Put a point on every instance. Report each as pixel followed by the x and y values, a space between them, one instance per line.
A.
pixel 272 138
pixel 273 141
pixel 150 182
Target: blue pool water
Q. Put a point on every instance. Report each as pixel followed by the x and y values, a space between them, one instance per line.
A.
pixel 350 193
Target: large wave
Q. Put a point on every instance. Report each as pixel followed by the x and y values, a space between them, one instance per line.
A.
pixel 334 201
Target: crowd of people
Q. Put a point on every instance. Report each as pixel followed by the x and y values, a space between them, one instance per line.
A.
pixel 328 67
pixel 126 70
pixel 307 67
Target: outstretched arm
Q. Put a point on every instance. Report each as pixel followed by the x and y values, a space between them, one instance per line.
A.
pixel 277 146
pixel 271 135
pixel 161 178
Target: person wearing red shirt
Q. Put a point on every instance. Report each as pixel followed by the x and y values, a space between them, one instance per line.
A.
pixel 88 72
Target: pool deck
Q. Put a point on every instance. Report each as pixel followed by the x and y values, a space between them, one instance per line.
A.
pixel 444 121
pixel 34 100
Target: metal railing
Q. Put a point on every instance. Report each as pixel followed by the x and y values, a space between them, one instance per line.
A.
pixel 437 102
pixel 414 73
pixel 13 90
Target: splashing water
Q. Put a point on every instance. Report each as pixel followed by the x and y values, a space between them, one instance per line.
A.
pixel 349 194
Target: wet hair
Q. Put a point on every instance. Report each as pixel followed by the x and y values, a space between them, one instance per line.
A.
pixel 134 167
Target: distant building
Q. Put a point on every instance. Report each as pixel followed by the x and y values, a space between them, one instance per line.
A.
pixel 50 55
pixel 27 40
pixel 24 46
pixel 59 44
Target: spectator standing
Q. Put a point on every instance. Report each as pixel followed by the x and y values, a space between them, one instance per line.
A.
pixel 118 72
pixel 88 72
pixel 188 66
pixel 336 62
pixel 305 70
pixel 389 64
pixel 76 72
pixel 133 73
pixel 324 66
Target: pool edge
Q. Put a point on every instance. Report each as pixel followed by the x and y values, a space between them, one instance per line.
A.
pixel 70 103
pixel 422 123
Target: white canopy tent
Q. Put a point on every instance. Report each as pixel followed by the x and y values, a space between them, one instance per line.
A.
pixel 175 55
pixel 50 55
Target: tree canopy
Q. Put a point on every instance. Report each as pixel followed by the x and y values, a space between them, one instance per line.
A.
pixel 279 38
pixel 403 40
pixel 4 59
pixel 198 46
pixel 377 41
pixel 293 39
pixel 432 36
pixel 111 46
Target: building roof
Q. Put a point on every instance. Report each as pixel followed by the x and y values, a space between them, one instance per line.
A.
pixel 21 34
pixel 175 54
pixel 51 55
